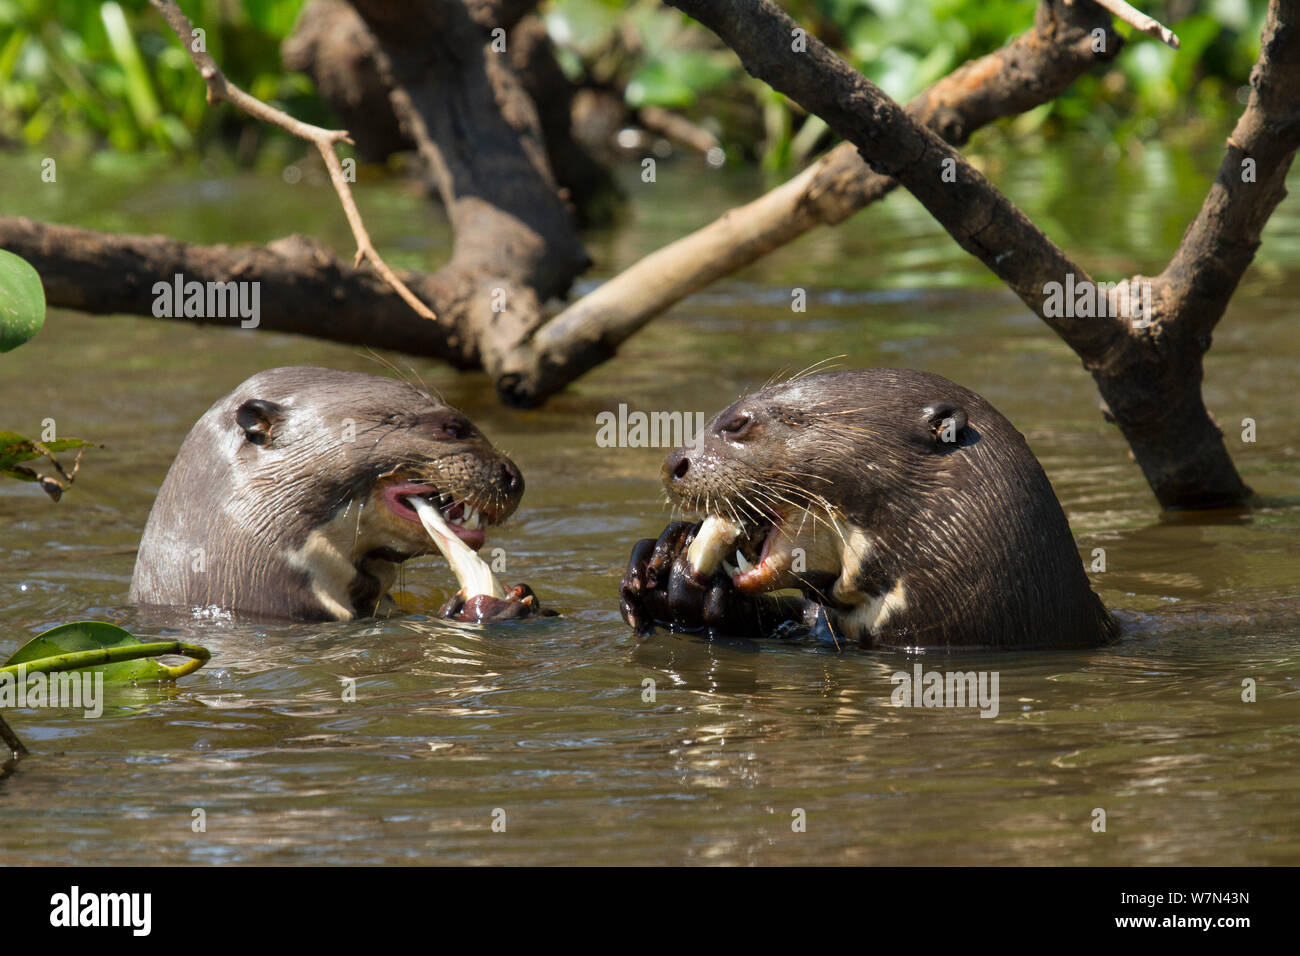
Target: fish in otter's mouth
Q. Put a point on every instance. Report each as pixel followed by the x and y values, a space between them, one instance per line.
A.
pixel 456 529
pixel 465 519
pixel 756 554
pixel 299 494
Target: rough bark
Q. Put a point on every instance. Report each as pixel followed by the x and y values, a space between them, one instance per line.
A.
pixel 304 288
pixel 1152 384
pixel 1032 69
pixel 480 138
pixel 583 181
pixel 331 44
pixel 1173 438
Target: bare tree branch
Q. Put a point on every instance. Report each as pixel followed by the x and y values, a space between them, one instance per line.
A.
pixel 1139 20
pixel 303 288
pixel 1149 372
pixel 1221 242
pixel 479 136
pixel 515 242
pixel 1031 70
pixel 984 222
pixel 1153 384
pixel 677 127
pixel 11 740
pixel 219 88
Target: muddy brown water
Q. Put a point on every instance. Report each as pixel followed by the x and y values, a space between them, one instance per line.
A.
pixel 547 721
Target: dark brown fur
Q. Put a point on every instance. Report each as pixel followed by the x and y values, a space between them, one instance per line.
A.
pixel 957 543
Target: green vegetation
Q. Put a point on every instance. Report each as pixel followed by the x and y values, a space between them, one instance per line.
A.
pixel 91 73
pixel 22 301
pixel 88 72
pixel 22 315
pixel 106 648
pixel 15 449
pixel 95 647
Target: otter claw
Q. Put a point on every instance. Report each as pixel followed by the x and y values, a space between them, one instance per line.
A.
pixel 633 586
pixel 452 607
pixel 660 585
pixel 676 538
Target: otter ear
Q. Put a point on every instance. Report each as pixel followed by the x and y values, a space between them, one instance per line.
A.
pixel 945 421
pixel 259 419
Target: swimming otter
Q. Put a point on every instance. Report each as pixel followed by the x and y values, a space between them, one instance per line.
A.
pixel 906 510
pixel 289 499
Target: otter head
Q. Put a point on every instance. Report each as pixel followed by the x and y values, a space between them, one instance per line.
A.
pixel 905 501
pixel 293 491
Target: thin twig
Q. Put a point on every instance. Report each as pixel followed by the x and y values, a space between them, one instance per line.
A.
pixel 219 88
pixel 675 126
pixel 11 739
pixel 1140 21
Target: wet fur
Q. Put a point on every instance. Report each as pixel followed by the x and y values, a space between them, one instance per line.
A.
pixel 911 541
pixel 288 528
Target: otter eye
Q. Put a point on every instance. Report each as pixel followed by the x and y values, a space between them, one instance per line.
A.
pixel 736 425
pixel 456 430
pixel 945 421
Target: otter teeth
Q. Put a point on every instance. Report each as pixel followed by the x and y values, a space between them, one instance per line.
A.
pixel 712 541
pixel 743 563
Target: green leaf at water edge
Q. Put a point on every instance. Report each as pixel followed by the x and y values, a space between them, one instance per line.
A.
pixel 22 301
pixel 97 646
pixel 15 448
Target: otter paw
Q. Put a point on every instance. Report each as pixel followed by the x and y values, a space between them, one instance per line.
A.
pixel 521 602
pixel 659 586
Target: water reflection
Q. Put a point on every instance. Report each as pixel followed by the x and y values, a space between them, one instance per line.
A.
pixel 548 721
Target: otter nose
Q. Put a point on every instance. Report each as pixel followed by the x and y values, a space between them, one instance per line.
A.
pixel 511 479
pixel 676 465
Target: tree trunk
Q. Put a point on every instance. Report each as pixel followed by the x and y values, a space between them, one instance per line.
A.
pixel 480 138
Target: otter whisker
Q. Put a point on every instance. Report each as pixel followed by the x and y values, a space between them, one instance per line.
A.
pixel 816 366
pixel 423 391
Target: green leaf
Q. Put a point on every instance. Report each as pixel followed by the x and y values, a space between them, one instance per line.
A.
pixel 97 646
pixel 139 85
pixel 677 79
pixel 15 448
pixel 22 301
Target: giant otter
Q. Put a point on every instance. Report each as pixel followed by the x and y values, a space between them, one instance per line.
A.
pixel 292 497
pixel 904 508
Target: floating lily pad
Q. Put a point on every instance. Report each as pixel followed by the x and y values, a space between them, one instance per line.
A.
pixel 97 646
